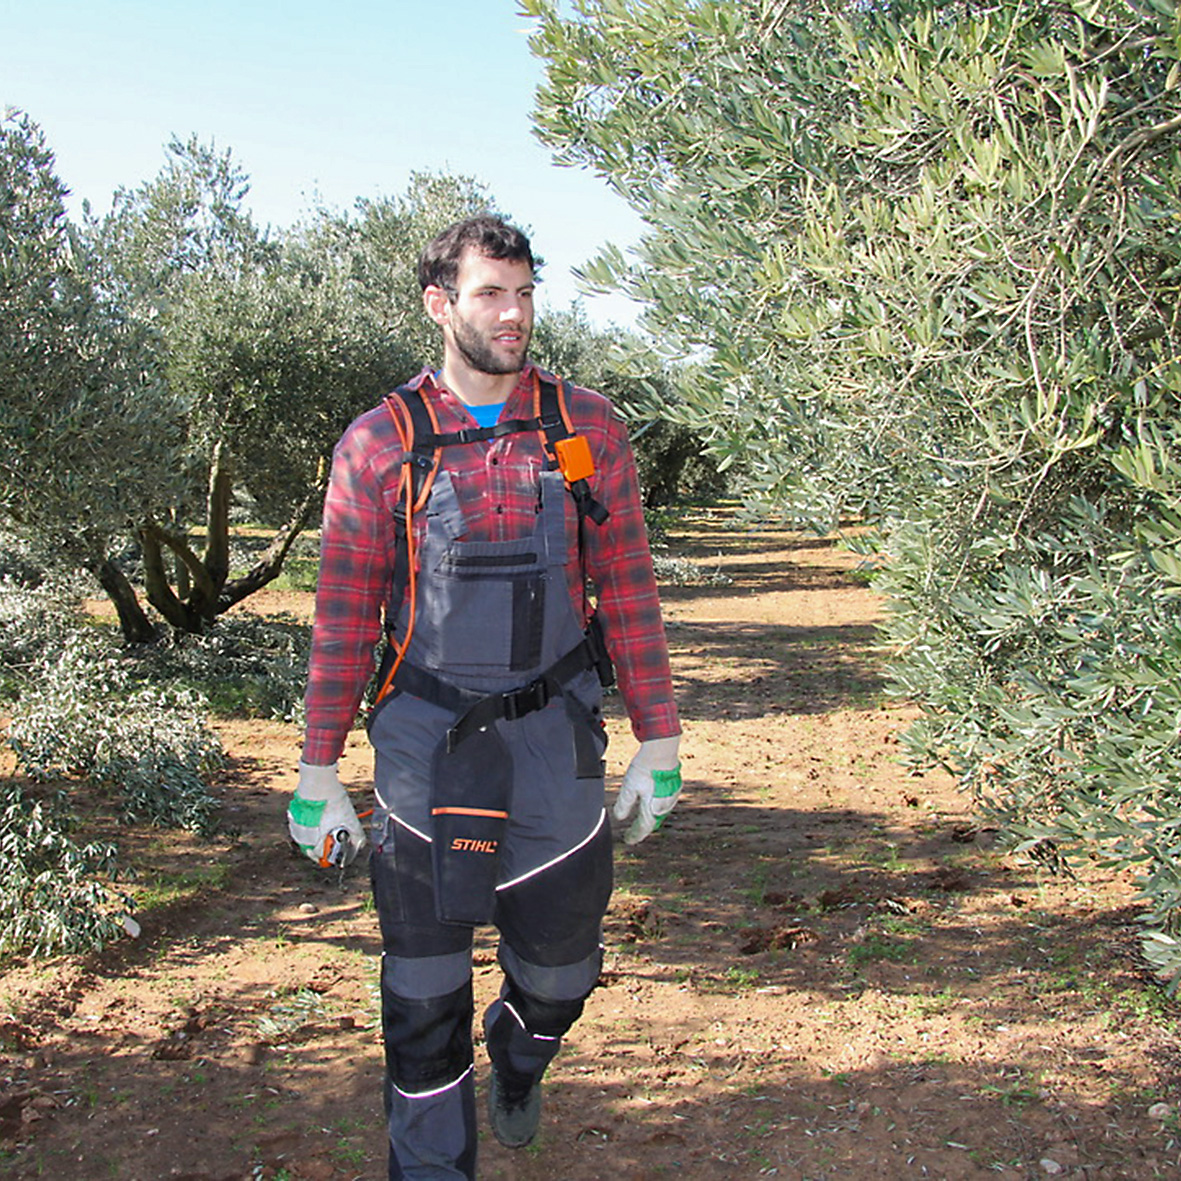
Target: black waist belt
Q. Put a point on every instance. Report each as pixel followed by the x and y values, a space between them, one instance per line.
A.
pixel 478 710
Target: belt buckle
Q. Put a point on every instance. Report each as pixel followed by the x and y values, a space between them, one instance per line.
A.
pixel 526 700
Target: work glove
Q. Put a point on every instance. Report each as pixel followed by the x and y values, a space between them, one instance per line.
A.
pixel 653 779
pixel 321 818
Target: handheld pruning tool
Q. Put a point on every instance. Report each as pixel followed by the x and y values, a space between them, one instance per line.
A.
pixel 334 853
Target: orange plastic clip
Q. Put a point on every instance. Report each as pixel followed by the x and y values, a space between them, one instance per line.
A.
pixel 574 458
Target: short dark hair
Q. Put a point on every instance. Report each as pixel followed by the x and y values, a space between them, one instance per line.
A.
pixel 438 266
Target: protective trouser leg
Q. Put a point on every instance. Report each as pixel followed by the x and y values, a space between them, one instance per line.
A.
pixel 551 955
pixel 430 1085
pixel 524 1034
pixel 426 1001
pixel 429 1125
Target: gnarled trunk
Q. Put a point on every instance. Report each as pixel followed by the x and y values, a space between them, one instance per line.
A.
pixel 217 532
pixel 270 564
pixel 137 628
pixel 181 613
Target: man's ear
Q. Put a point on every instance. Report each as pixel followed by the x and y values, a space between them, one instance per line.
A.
pixel 437 303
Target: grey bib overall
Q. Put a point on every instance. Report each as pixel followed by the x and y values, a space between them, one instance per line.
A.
pixel 504 822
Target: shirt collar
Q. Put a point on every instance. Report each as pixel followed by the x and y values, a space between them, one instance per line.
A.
pixel 426 382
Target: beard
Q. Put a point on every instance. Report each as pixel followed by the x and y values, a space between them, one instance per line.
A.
pixel 477 350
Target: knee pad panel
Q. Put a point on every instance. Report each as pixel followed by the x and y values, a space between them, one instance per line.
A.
pixel 428 1041
pixel 545 1018
pixel 556 982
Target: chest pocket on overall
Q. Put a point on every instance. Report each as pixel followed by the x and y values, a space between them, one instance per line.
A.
pixel 495 601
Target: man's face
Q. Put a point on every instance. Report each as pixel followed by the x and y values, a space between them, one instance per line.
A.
pixel 489 320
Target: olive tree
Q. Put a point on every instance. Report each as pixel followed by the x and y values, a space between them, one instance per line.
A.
pixel 86 424
pixel 250 347
pixel 930 257
pixel 270 344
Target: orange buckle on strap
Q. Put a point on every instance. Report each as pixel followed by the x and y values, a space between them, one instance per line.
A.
pixel 574 458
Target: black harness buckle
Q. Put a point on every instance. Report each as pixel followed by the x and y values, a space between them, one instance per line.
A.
pixel 526 700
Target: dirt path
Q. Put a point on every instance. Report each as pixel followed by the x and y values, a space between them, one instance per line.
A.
pixel 821 967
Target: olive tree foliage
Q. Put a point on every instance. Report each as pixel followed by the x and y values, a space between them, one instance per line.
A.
pixel 270 344
pixel 670 458
pixel 931 255
pixel 86 424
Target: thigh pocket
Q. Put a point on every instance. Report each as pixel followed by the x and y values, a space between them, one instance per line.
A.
pixel 401 875
pixel 383 874
pixel 469 814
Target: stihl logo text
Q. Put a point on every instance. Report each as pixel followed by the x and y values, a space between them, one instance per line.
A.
pixel 467 845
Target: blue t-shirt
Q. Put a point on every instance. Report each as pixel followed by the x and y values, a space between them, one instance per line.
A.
pixel 486 415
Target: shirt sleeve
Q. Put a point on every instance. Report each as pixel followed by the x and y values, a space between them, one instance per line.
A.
pixel 356 560
pixel 619 561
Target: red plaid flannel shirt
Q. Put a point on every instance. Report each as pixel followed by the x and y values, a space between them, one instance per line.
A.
pixel 497 486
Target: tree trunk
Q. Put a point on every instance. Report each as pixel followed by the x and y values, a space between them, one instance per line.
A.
pixel 217 532
pixel 136 627
pixel 270 564
pixel 156 585
pixel 184 582
pixel 213 591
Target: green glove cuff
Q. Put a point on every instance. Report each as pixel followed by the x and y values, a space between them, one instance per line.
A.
pixel 306 813
pixel 667 783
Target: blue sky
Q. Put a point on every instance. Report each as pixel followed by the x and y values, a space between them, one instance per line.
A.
pixel 329 100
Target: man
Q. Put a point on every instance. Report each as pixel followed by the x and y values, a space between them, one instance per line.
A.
pixel 465 517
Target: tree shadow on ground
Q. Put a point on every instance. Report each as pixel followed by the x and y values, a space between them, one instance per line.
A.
pixel 752 670
pixel 730 564
pixel 779 892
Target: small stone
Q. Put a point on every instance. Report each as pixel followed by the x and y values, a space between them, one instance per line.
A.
pixel 131 927
pixel 309 908
pixel 1160 1111
pixel 1050 1166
